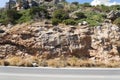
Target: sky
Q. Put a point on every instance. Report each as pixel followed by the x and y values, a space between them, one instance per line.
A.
pixel 2 2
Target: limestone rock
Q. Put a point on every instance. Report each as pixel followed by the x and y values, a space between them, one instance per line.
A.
pixel 113 15
pixel 101 43
pixel 105 41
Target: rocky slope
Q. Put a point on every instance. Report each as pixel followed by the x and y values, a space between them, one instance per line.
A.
pixel 46 42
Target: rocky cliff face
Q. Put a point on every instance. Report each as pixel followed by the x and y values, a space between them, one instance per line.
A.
pixel 56 40
pixel 112 15
pixel 101 43
pixel 106 42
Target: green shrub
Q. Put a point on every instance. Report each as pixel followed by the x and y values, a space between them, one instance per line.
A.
pixel 3 18
pixel 80 15
pixel 117 21
pixel 12 15
pixel 25 16
pixel 81 20
pixel 97 17
pixel 92 23
pixel 115 7
pixel 69 22
pixel 55 21
pixel 104 8
pixel 94 18
pixel 60 14
pixel 9 16
pixel 40 12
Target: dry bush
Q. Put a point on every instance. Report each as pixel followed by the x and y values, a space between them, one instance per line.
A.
pixel 72 61
pixel 43 62
pixel 57 62
pixel 46 55
pixel 53 63
pixel 25 64
pixel 28 61
pixel 13 61
pixel 85 63
pixel 19 61
pixel 113 64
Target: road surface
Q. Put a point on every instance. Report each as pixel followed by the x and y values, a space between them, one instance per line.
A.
pixel 22 73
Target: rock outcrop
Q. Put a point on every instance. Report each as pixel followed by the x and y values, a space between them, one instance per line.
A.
pixel 106 41
pixel 112 15
pixel 101 43
pixel 56 40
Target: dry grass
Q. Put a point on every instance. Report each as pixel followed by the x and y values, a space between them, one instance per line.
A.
pixel 76 62
pixel 18 61
pixel 1 62
pixel 113 65
pixel 73 61
pixel 56 62
pixel 69 62
pixel 12 61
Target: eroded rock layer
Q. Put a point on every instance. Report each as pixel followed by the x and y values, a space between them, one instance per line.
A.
pixel 101 43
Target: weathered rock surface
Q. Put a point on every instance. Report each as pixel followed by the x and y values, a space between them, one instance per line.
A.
pixel 106 41
pixel 113 15
pixel 57 40
pixel 99 44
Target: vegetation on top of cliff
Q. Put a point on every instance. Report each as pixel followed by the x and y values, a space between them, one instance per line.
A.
pixel 59 13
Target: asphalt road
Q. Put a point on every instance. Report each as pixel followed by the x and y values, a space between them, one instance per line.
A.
pixel 22 73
